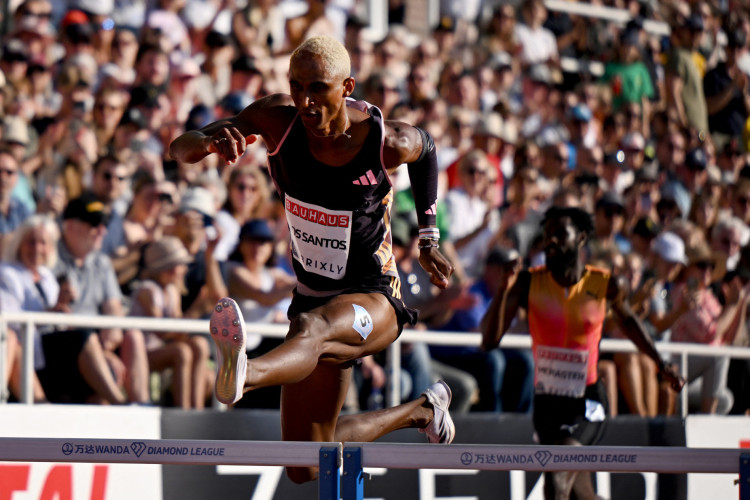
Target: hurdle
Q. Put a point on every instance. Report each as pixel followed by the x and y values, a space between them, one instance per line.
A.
pixel 325 455
pixel 356 456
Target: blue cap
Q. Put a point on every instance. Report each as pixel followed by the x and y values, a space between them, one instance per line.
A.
pixel 581 112
pixel 256 229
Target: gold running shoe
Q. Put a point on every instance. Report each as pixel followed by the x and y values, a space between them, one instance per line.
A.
pixel 228 333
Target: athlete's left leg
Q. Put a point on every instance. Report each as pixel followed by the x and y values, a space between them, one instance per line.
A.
pixel 310 412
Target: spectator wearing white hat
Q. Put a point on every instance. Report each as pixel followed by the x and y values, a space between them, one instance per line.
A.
pixel 195 227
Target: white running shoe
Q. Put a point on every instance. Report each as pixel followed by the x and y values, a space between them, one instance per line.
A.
pixel 441 429
pixel 228 332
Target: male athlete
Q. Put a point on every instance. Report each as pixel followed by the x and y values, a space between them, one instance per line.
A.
pixel 330 158
pixel 566 302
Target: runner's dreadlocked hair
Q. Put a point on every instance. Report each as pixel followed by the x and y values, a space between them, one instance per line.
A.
pixel 581 219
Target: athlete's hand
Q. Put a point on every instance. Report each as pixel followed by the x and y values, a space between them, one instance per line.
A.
pixel 229 144
pixel 437 265
pixel 669 374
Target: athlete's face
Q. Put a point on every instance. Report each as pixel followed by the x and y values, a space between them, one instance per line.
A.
pixel 562 243
pixel 318 95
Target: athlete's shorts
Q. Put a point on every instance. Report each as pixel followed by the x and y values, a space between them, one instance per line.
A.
pixel 559 417
pixel 388 286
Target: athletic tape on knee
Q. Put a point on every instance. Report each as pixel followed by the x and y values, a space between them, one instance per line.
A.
pixel 362 321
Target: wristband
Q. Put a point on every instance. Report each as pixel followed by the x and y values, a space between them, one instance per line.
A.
pixel 427 244
pixel 429 233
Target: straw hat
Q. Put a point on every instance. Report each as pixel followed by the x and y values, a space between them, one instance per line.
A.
pixel 165 253
pixel 702 254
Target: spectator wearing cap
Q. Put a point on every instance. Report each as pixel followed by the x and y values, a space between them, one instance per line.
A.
pixel 260 286
pixel 233 103
pixel 93 283
pixel 652 302
pixel 12 211
pixel 613 172
pixel 684 82
pixel 247 76
pixel 578 120
pixel 71 365
pixel 157 295
pixel 693 172
pixel 14 63
pixel 77 34
pixel 727 92
pixel 674 203
pixel 153 104
pixel 642 236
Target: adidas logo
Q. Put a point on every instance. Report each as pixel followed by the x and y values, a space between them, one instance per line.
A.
pixel 366 180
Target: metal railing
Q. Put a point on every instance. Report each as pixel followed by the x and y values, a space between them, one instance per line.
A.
pixel 27 321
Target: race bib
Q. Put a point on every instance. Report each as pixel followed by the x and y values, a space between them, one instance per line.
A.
pixel 560 371
pixel 320 237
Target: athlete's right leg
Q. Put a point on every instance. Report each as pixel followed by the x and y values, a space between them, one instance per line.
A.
pixel 326 334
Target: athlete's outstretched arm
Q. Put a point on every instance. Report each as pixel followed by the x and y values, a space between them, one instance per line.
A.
pixel 503 308
pixel 414 146
pixel 634 329
pixel 230 136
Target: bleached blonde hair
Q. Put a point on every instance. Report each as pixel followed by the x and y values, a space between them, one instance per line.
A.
pixel 333 54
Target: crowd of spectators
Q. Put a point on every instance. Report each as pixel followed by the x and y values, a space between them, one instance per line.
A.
pixel 643 122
